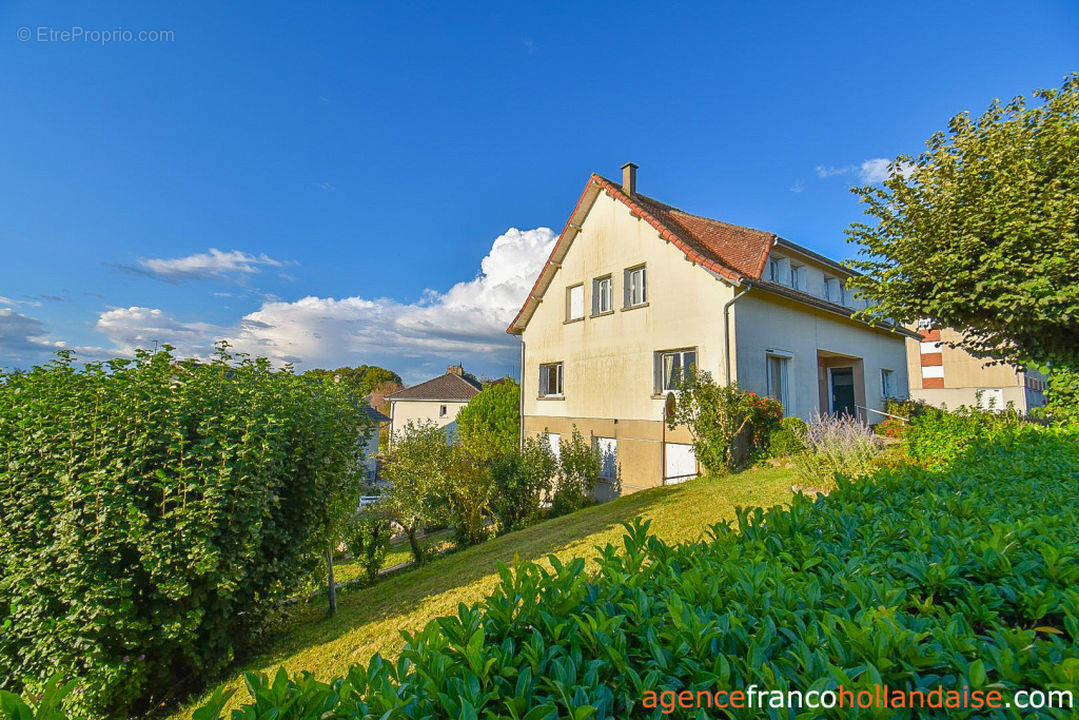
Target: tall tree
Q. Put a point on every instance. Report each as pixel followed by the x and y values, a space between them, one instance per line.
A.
pixel 490 424
pixel 981 232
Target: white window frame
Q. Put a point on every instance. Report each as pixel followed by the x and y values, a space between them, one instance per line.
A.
pixel 630 285
pixel 830 282
pixel 773 269
pixel 443 411
pixel 887 376
pixel 786 397
pixel 608 449
pixel 570 316
pixel 599 295
pixel 659 379
pixel 797 276
pixel 544 380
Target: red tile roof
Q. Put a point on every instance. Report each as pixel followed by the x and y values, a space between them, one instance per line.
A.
pixel 732 251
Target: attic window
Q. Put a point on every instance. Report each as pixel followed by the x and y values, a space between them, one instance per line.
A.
pixel 575 303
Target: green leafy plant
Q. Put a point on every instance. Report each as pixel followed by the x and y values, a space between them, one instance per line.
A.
pixel 417 469
pixel 788 438
pixel 154 514
pixel 489 425
pixel 467 496
pixel 579 468
pixel 367 538
pixel 728 424
pixel 835 445
pixel 938 437
pixel 981 232
pixel 522 479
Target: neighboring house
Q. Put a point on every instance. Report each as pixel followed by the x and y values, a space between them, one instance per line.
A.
pixel 636 290
pixel 370 450
pixel 437 401
pixel 949 377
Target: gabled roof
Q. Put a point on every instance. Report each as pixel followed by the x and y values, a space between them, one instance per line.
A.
pixel 450 386
pixel 733 252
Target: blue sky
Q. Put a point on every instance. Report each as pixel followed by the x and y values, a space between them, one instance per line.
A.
pixel 377 181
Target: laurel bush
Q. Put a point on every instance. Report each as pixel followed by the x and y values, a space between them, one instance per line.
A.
pixel 153 512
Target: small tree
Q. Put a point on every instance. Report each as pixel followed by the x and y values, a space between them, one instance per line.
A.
pixel 521 480
pixel 489 425
pixel 981 232
pixel 467 493
pixel 367 538
pixel 725 421
pixel 416 470
pixel 579 467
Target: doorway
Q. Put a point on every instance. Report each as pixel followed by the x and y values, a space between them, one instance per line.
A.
pixel 841 391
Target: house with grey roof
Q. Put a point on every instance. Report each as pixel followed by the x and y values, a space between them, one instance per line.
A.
pixel 436 401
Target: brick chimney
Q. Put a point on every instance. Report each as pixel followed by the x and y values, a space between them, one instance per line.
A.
pixel 629 179
pixel 455 370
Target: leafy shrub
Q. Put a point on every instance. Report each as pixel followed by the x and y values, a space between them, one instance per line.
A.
pixel 788 438
pixel 835 445
pixel 522 479
pixel 960 577
pixel 367 538
pixel 937 438
pixel 490 424
pixel 155 511
pixel 579 467
pixel 1062 394
pixel 727 423
pixel 466 493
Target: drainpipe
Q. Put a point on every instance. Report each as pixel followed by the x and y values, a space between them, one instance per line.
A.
pixel 521 398
pixel 727 329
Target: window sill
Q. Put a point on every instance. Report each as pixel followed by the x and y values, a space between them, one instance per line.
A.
pixel 550 397
pixel 634 307
pixel 663 395
pixel 573 320
pixel 601 314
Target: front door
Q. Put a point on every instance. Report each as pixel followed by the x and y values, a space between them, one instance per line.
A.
pixel 842 382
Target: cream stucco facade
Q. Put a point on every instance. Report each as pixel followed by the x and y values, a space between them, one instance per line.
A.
pixel 609 360
pixel 440 413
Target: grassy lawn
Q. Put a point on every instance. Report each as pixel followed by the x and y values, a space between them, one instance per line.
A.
pixel 348 569
pixel 370 619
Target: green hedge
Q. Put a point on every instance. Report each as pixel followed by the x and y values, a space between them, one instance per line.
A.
pixel 154 513
pixel 962 576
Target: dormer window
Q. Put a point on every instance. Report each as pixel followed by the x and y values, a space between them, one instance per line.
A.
pixel 833 292
pixel 797 276
pixel 773 269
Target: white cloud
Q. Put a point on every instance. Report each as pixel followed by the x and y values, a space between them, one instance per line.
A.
pixel 825 171
pixel 871 171
pixel 213 263
pixel 467 323
pixel 141 327
pixel 23 340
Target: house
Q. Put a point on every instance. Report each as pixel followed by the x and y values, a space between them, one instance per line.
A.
pixel 947 376
pixel 436 401
pixel 370 449
pixel 636 290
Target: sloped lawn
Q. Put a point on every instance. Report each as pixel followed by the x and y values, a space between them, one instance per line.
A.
pixel 370 619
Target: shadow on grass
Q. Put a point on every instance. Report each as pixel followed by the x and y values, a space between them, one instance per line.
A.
pixel 412 585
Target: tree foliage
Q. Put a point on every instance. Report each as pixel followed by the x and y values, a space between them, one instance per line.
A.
pixel 153 512
pixel 360 381
pixel 417 469
pixel 980 232
pixel 579 466
pixel 521 480
pixel 489 425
